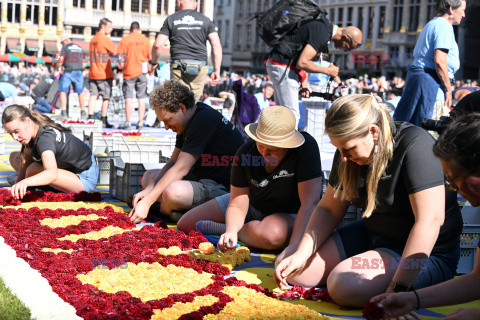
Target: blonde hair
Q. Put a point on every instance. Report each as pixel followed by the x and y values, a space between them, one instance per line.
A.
pixel 349 117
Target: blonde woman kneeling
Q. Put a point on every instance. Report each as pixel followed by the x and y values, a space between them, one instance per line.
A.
pixel 409 235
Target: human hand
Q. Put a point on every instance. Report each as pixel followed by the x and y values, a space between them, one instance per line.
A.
pixel 397 305
pixel 285 268
pixel 139 212
pixel 464 314
pixel 448 99
pixel 19 189
pixel 305 93
pixel 215 76
pixel 227 241
pixel 139 196
pixel 333 70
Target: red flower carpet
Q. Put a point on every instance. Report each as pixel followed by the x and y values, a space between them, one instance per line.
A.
pixel 99 262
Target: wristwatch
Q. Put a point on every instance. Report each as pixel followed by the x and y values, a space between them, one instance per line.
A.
pixel 399 287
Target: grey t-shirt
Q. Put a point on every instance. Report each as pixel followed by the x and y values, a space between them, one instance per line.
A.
pixel 73 55
pixel 188 31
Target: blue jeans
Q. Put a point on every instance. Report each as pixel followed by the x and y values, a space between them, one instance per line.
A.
pixel 72 77
pixel 42 105
pixel 355 238
pixel 89 177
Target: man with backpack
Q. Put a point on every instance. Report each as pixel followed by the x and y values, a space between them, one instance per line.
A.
pixel 293 53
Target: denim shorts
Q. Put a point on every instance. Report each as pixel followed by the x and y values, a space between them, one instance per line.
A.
pixel 355 238
pixel 252 213
pixel 205 190
pixel 89 177
pixel 72 77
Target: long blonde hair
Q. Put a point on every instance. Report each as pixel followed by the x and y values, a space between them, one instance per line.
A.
pixel 349 117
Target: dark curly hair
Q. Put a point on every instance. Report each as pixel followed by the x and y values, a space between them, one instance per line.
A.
pixel 170 95
pixel 460 142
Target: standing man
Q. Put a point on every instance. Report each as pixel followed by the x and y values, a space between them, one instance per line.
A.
pixel 289 61
pixel 134 53
pixel 188 31
pixel 101 75
pixel 71 58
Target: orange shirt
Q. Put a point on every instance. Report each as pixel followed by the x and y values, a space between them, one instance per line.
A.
pixel 134 50
pixel 100 63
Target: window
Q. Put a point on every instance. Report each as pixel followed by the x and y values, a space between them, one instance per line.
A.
pixel 349 16
pixel 340 17
pixel 51 12
pixel 409 54
pixel 117 5
pixel 99 4
pixel 248 37
pixel 394 53
pixel 201 6
pixel 78 30
pixel 237 37
pixel 249 9
pixel 79 3
pixel 13 11
pixel 117 33
pixel 332 15
pixel 240 9
pixel 227 33
pixel 381 22
pixel 220 30
pixel 371 15
pixel 414 13
pixel 430 10
pixel 162 7
pixel 32 12
pixel 397 15
pixel 360 17
pixel 141 6
pixel 259 6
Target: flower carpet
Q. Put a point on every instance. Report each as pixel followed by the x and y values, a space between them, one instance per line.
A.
pixel 84 260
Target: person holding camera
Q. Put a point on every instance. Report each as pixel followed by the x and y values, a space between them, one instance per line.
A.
pixel 409 234
pixel 436 59
pixel 458 149
pixel 188 31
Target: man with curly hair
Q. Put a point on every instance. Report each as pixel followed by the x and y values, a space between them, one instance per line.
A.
pixel 204 150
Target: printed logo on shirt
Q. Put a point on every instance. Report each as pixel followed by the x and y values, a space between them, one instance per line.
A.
pixel 261 184
pixel 188 20
pixel 59 135
pixel 283 174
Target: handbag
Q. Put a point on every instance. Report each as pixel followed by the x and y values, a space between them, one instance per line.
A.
pixel 191 67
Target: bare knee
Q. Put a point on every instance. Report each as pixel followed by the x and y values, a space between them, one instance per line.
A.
pixel 272 238
pixel 148 177
pixel 188 221
pixel 345 288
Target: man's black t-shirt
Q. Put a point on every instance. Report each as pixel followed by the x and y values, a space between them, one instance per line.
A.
pixel 315 33
pixel 73 56
pixel 413 168
pixel 188 31
pixel 276 191
pixel 70 152
pixel 215 139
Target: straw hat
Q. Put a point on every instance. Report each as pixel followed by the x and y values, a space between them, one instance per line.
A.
pixel 276 128
pixel 64 37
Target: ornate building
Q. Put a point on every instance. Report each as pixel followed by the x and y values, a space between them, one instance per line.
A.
pixel 35 26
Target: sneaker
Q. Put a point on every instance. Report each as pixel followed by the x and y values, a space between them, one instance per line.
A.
pixel 83 114
pixel 154 212
pixel 125 126
pixel 63 115
pixel 139 126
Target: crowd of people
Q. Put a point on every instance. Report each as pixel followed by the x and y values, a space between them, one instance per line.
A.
pixel 266 190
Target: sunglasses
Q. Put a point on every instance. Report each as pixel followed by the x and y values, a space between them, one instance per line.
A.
pixel 452 182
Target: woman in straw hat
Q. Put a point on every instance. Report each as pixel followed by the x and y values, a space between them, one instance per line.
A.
pixel 409 235
pixel 275 185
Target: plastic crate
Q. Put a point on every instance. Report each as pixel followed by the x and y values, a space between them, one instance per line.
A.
pixel 104 168
pixel 100 143
pixel 138 151
pixel 126 178
pixel 468 247
pixel 80 130
pixel 315 110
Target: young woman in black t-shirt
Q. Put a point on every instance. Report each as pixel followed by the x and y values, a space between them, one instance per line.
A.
pixel 275 185
pixel 50 154
pixel 409 235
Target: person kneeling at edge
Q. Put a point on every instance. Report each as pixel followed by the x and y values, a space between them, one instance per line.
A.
pixel 459 151
pixel 275 185
pixel 206 141
pixel 409 234
pixel 50 155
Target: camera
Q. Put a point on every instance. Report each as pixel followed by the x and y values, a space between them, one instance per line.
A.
pixel 329 94
pixel 436 125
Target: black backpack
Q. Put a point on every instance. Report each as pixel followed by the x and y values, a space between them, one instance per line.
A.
pixel 285 16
